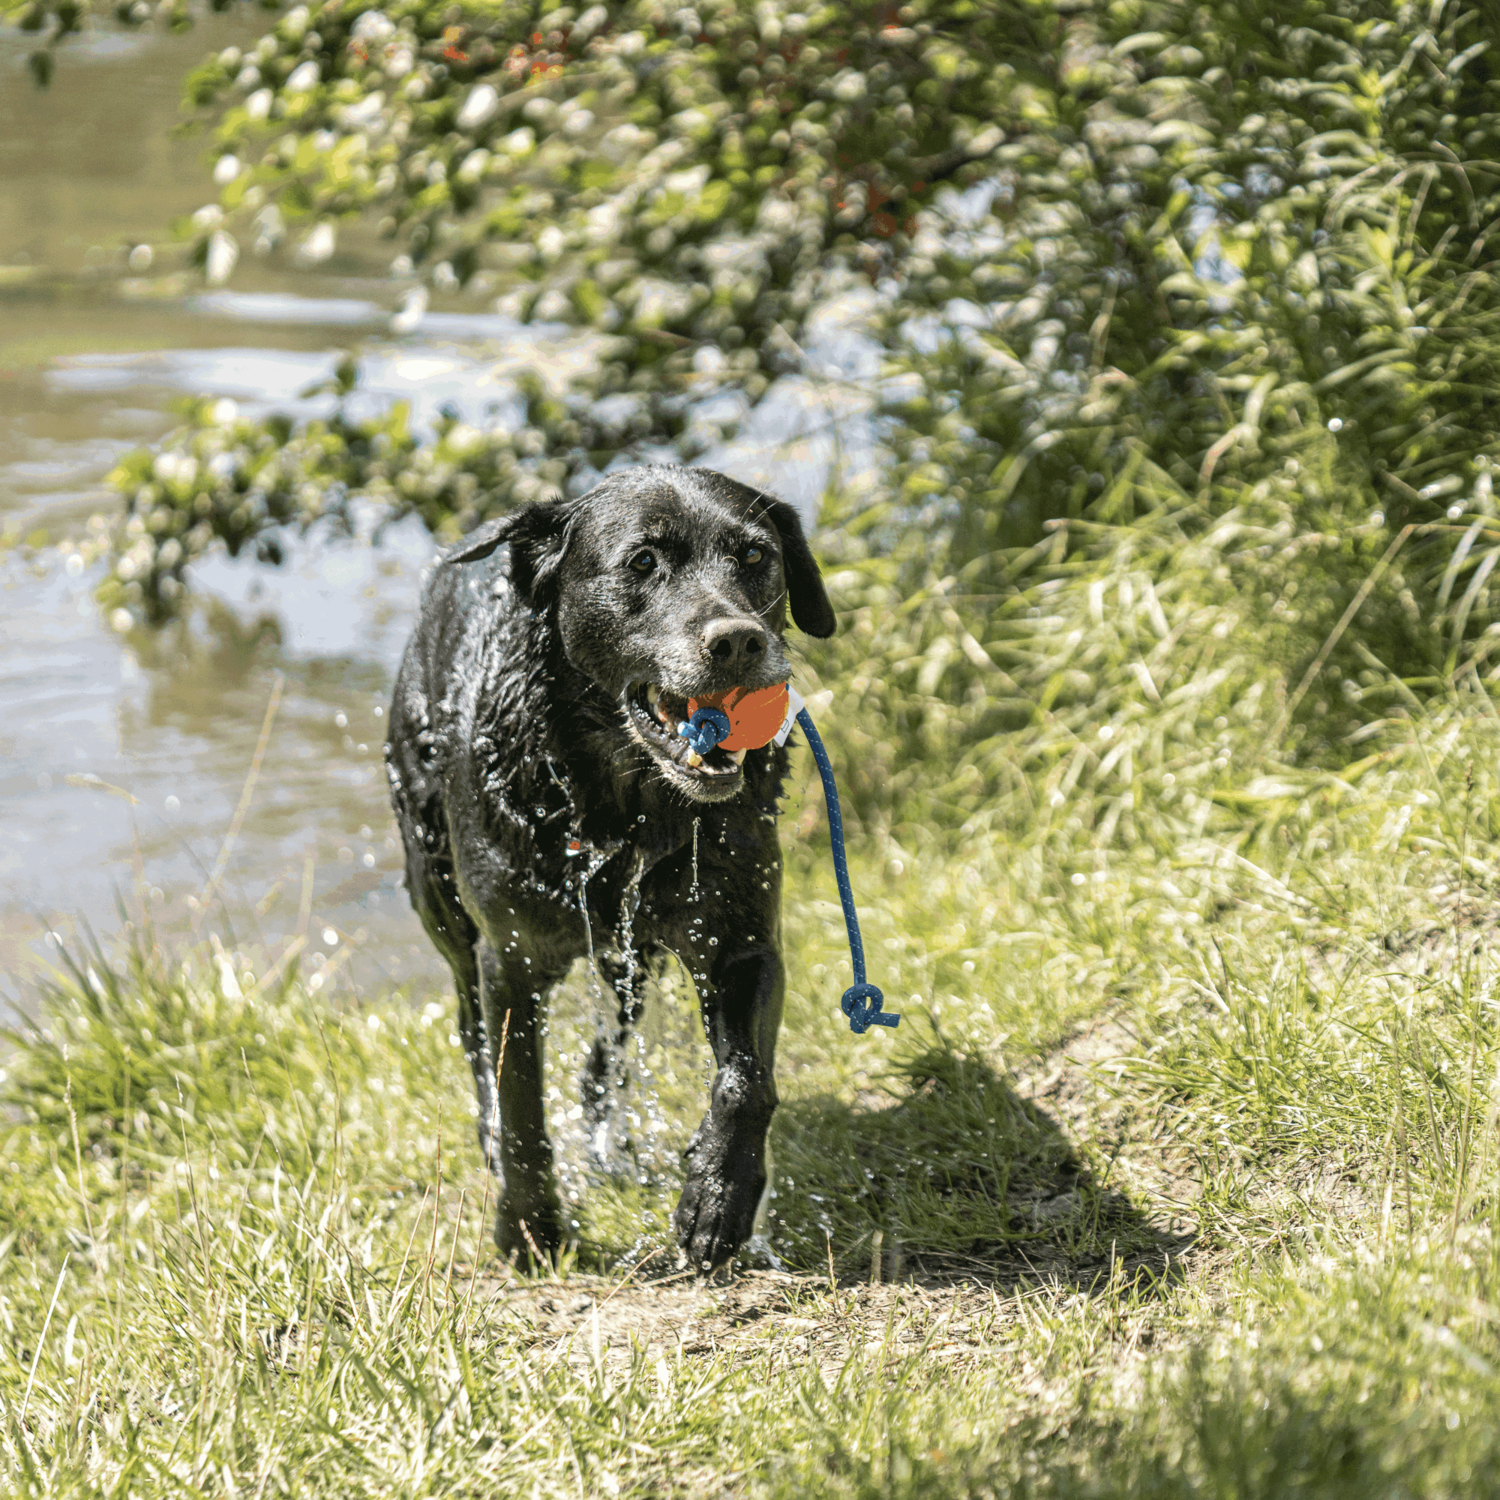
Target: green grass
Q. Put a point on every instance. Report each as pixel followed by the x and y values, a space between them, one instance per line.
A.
pixel 245 1246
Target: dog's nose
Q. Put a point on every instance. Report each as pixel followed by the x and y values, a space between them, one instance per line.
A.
pixel 734 643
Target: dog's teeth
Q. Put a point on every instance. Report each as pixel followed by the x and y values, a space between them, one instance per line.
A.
pixel 652 693
pixel 737 756
pixel 694 759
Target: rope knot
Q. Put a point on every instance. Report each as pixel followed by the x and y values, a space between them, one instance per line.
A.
pixel 862 1004
pixel 705 729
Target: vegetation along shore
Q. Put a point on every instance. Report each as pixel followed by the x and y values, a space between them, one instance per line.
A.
pixel 1160 341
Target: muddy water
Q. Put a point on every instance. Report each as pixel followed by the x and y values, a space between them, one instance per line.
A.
pixel 121 767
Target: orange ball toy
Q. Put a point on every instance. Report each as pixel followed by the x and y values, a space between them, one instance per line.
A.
pixel 754 717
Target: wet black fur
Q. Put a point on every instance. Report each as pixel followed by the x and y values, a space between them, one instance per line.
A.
pixel 509 739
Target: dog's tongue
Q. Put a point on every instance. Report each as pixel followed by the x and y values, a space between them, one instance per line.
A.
pixel 754 717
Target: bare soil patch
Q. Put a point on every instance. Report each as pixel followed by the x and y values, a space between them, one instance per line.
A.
pixel 586 1320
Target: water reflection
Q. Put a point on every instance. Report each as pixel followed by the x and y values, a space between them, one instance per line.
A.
pixel 176 728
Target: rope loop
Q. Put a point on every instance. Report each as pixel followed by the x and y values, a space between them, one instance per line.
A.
pixel 705 729
pixel 862 1002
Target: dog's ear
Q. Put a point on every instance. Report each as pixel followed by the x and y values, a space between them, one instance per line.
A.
pixel 483 540
pixel 804 583
pixel 537 534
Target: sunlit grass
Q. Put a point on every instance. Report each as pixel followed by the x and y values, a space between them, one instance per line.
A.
pixel 246 1244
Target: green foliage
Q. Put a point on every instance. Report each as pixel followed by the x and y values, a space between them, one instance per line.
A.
pixel 1237 288
pixel 229 480
pixel 1158 662
pixel 688 183
pixel 1206 331
pixel 1243 228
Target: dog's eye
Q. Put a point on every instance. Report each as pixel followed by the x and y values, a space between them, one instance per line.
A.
pixel 643 562
pixel 751 556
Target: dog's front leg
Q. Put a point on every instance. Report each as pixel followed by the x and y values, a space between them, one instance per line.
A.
pixel 528 1221
pixel 741 997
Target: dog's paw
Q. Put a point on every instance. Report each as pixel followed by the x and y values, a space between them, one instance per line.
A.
pixel 528 1235
pixel 716 1214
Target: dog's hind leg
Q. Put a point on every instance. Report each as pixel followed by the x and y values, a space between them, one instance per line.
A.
pixel 528 1222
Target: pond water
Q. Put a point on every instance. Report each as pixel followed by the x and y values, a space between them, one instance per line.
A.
pixel 123 764
pixel 121 767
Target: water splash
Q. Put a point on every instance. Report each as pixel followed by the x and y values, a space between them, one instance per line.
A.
pixel 611 1142
pixel 630 904
pixel 758 1249
pixel 694 895
pixel 594 862
pixel 758 1252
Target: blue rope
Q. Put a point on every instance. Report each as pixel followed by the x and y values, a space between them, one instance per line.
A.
pixel 862 1001
pixel 705 729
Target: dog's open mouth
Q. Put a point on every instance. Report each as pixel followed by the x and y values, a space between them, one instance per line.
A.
pixel 655 714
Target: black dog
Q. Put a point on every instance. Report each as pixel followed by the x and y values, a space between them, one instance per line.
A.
pixel 548 805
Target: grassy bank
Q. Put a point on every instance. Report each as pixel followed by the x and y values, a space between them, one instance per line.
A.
pixel 1177 1179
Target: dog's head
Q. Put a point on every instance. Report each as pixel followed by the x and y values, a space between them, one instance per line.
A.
pixel 666 584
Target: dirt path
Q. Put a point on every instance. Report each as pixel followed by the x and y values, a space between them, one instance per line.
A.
pixel 587 1319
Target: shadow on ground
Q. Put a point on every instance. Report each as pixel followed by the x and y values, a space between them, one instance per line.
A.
pixel 909 1221
pixel 959 1177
